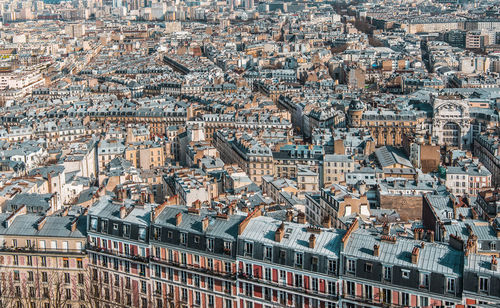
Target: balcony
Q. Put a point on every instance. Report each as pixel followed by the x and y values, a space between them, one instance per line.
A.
pixel 370 301
pixel 31 250
pixel 300 290
pixel 195 268
pixel 117 254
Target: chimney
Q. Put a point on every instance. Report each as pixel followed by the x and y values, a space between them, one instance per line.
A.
pixel 178 219
pixel 301 218
pixel 312 241
pixel 278 235
pixel 41 222
pixel 376 250
pixel 494 264
pixel 123 212
pixel 386 229
pixel 65 212
pixel 327 222
pixel 289 216
pixel 414 255
pixel 204 223
pixel 73 224
pixel 49 181
pixel 430 235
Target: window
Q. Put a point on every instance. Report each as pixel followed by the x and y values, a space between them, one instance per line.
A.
pixel 368 291
pixel 126 230
pixel 248 249
pixel 450 285
pixel 332 266
pixel 387 296
pixel 368 267
pixel 298 259
pixel 268 253
pixel 424 301
pixel 183 238
pixel 331 288
pixel 142 234
pixel 267 274
pixel 93 224
pixel 210 244
pixel 405 274
pixel 424 280
pixel 405 299
pixel 387 272
pixel 314 284
pixel 351 266
pixel 351 288
pixel 484 284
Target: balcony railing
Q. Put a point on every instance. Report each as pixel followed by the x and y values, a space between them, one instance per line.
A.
pixel 274 284
pixel 370 301
pixel 29 250
pixel 196 268
pixel 118 254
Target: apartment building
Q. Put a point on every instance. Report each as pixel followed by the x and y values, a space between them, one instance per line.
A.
pixel 43 260
pixel 335 167
pixel 287 264
pixel 146 154
pixel 487 149
pixel 193 260
pixel 395 271
pixel 118 252
pixel 469 179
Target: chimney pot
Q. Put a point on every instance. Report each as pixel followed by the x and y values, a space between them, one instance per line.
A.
pixel 376 250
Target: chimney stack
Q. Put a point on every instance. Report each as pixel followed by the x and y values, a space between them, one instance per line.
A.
pixel 123 212
pixel 301 218
pixel 278 235
pixel 204 223
pixel 41 222
pixel 312 241
pixel 178 219
pixel 430 235
pixel 327 222
pixel 376 250
pixel 73 224
pixel 414 255
pixel 289 216
pixel 386 229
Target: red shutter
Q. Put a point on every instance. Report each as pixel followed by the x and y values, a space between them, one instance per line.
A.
pixel 290 279
pixel 306 282
pixel 241 266
pixel 257 271
pixel 322 285
pixel 275 275
pixel 258 291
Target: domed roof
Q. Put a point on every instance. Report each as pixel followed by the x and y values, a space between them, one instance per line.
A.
pixel 356 105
